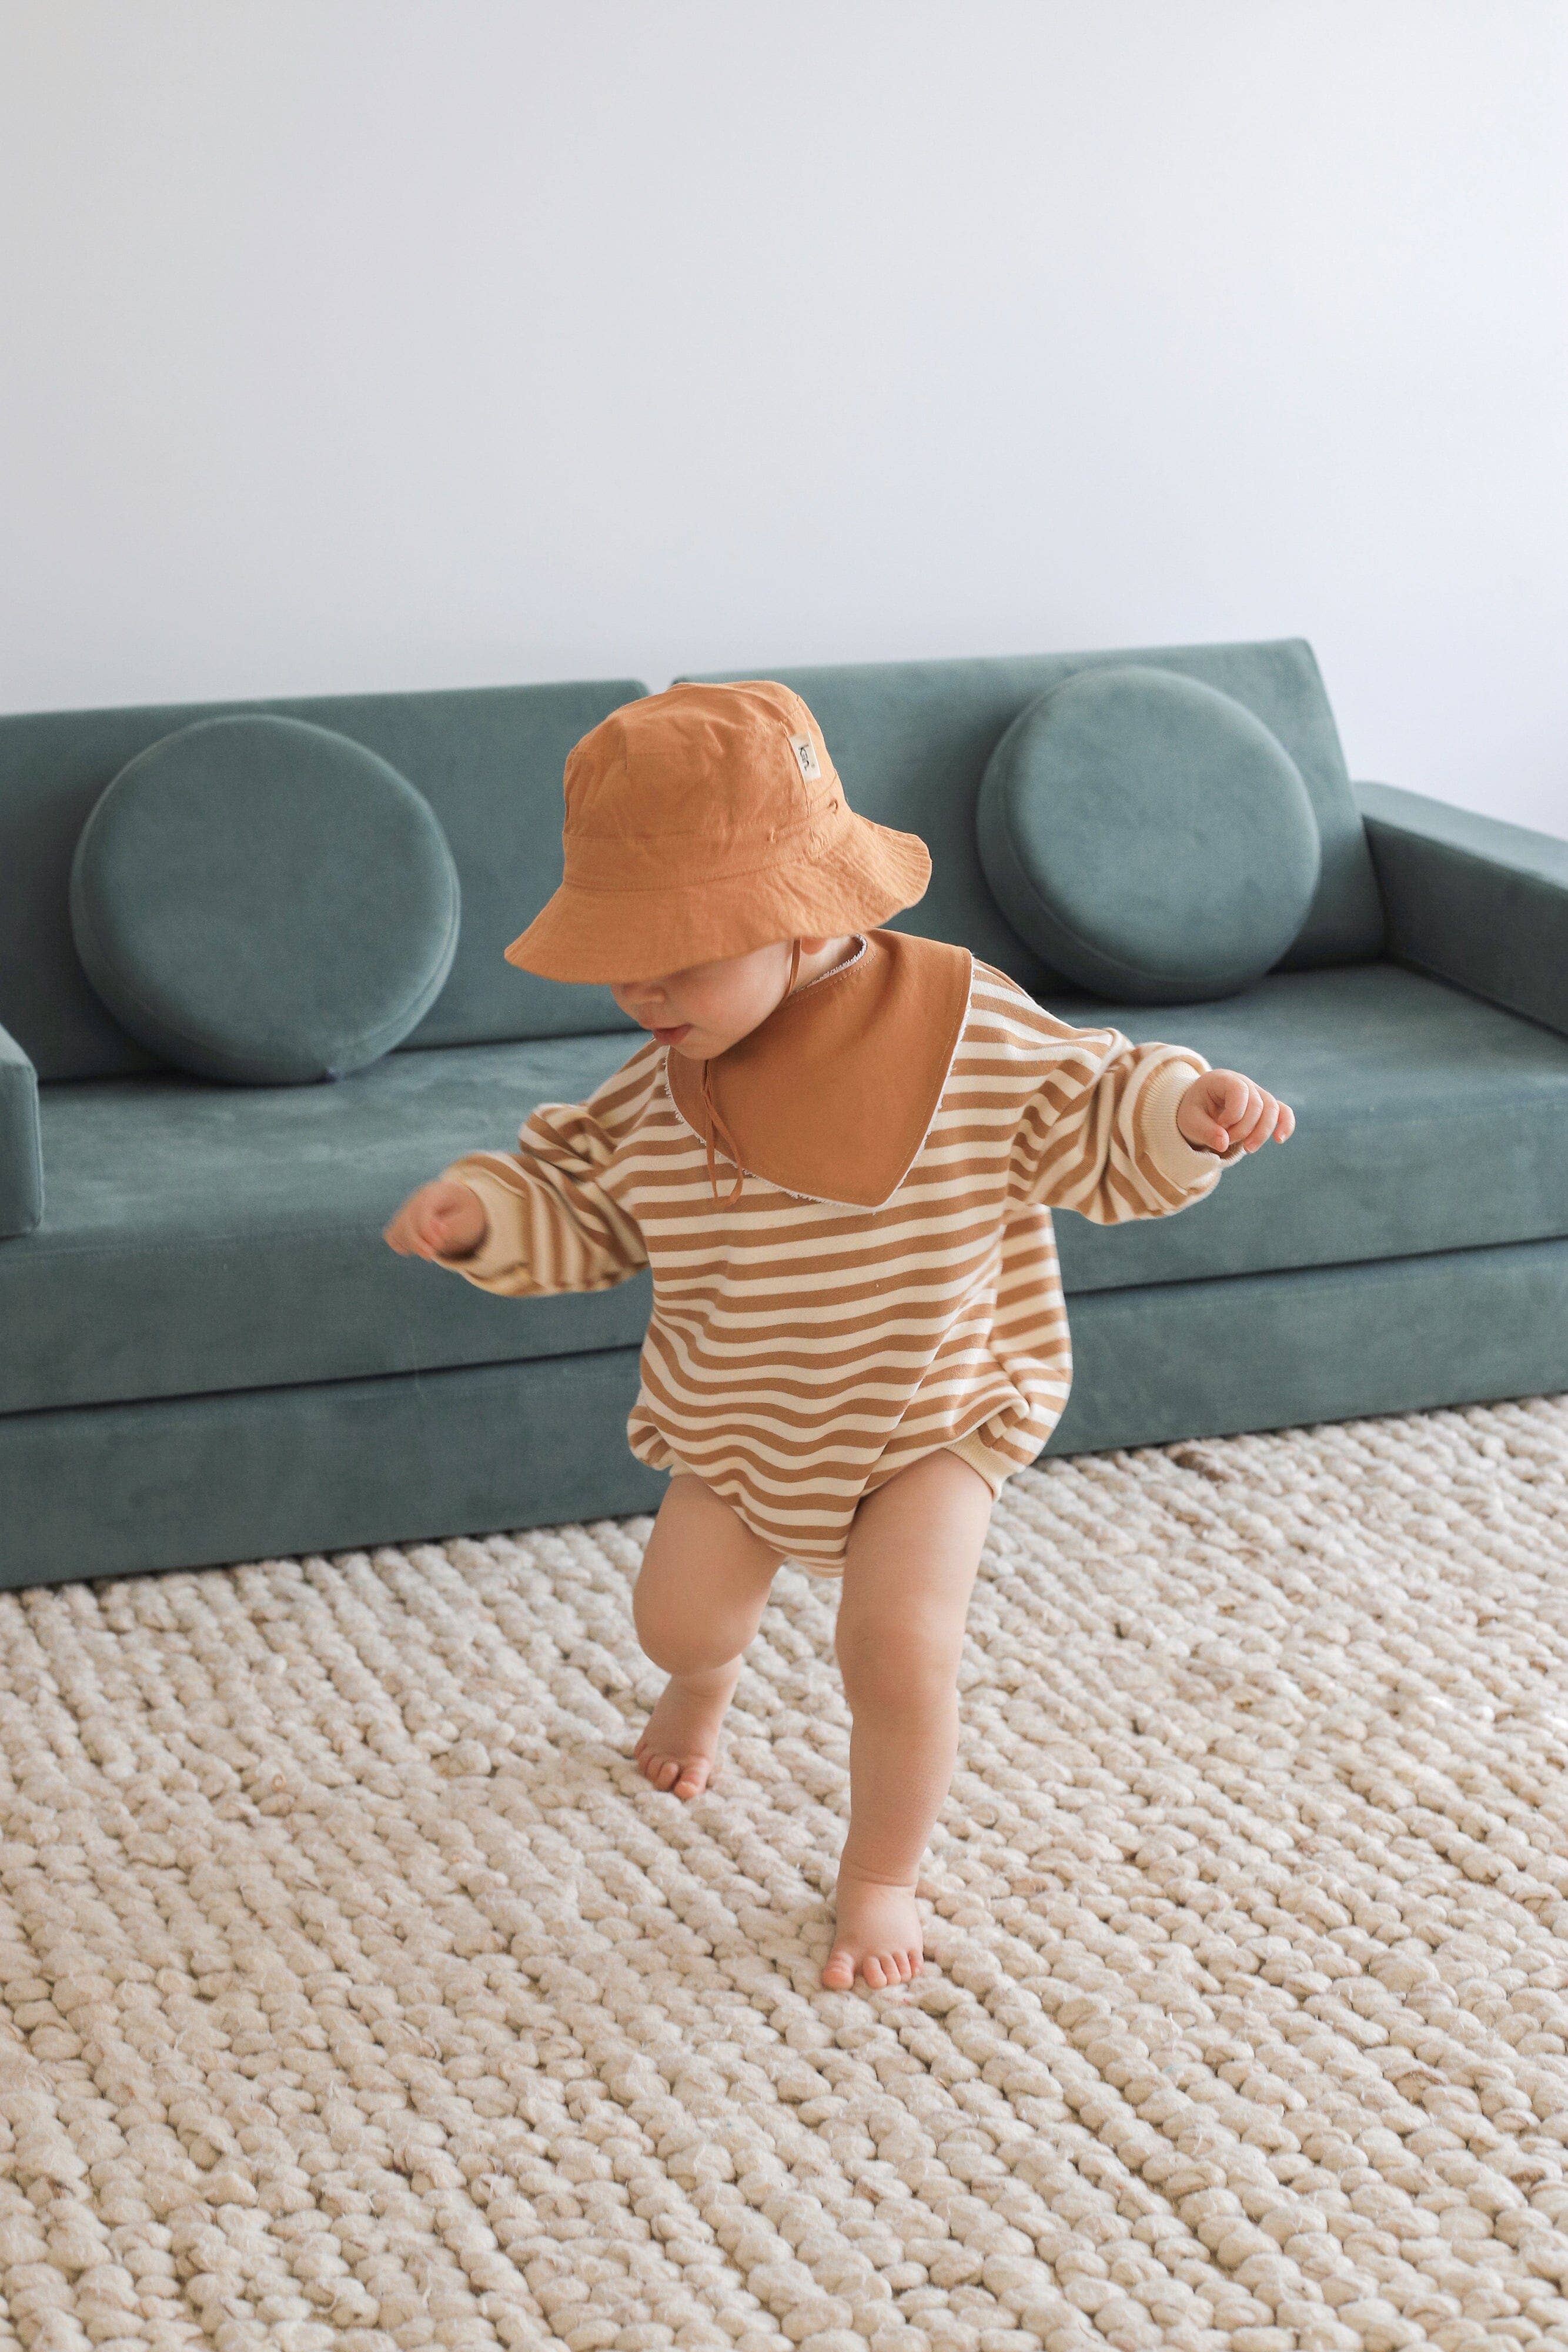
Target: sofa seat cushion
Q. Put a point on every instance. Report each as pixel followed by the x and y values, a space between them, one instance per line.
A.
pixel 199 1237
pixel 1426 1120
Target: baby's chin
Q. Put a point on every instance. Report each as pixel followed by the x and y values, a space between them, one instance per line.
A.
pixel 701 1044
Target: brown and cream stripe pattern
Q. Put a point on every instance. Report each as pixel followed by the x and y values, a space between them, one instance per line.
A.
pixel 799 1350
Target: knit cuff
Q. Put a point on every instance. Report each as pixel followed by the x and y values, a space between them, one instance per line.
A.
pixel 1174 1158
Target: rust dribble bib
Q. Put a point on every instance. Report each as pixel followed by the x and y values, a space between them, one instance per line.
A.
pixel 832 1096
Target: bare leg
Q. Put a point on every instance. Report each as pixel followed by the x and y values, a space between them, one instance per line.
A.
pixel 698 1599
pixel 909 1570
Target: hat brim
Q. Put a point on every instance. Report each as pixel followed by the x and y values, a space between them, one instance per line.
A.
pixel 869 874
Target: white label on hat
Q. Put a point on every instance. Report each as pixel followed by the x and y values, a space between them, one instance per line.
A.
pixel 805 751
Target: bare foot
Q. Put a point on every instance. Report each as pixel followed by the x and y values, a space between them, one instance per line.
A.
pixel 876 1934
pixel 680 1740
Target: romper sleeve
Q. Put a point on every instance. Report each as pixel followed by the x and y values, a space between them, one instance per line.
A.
pixel 1099 1134
pixel 555 1223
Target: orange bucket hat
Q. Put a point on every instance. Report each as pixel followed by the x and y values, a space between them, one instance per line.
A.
pixel 706 821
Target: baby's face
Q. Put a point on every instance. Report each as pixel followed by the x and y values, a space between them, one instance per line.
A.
pixel 708 1006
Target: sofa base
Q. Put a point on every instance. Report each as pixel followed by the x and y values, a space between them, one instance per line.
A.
pixel 187 1482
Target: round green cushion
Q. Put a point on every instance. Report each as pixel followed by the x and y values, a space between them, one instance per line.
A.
pixel 1148 835
pixel 262 900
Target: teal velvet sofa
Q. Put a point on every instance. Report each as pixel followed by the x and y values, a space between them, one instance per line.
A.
pixel 208 1354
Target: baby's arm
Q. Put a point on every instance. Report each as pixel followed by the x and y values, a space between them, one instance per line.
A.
pixel 1117 1130
pixel 528 1222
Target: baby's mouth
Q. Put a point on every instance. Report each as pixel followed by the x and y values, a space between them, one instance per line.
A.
pixel 673 1037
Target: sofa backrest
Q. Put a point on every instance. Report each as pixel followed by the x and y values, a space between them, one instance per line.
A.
pixel 910 741
pixel 489 761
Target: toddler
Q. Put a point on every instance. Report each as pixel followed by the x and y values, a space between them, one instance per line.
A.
pixel 858 1329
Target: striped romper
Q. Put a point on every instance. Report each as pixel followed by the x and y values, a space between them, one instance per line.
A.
pixel 801 1351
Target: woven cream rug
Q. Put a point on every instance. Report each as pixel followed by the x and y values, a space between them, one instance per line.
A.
pixel 355 1990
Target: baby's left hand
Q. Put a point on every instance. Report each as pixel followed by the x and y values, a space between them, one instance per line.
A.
pixel 1221 1110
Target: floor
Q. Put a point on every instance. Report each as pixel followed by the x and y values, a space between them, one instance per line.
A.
pixel 355 1990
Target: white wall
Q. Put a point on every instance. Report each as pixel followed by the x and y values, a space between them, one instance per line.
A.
pixel 373 343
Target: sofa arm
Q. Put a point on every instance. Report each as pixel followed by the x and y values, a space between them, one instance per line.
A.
pixel 21 1146
pixel 1471 899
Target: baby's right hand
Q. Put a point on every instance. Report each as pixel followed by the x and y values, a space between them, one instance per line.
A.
pixel 444 1218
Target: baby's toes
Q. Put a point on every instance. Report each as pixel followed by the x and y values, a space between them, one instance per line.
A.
pixel 872 1918
pixel 676 1776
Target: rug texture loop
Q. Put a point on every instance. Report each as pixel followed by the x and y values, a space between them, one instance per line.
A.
pixel 357 1992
